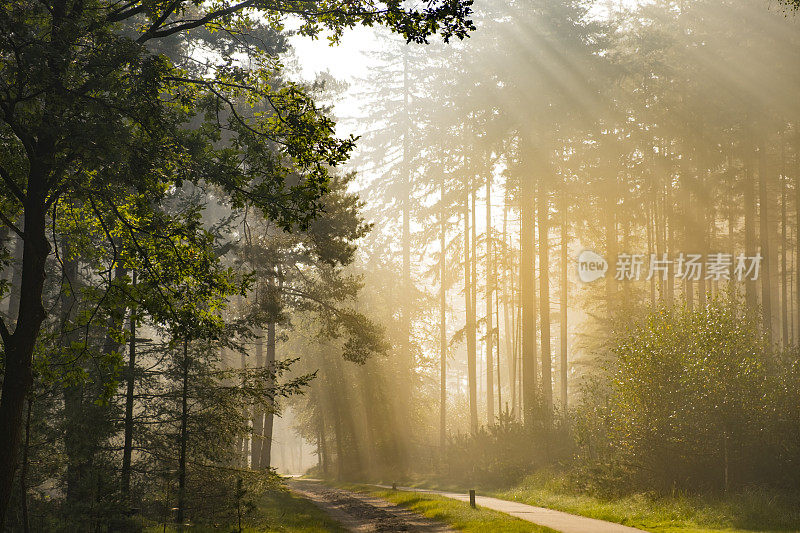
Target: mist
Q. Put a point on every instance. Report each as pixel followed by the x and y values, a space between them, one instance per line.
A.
pixel 545 251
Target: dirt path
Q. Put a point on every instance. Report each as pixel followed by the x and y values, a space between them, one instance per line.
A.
pixel 362 513
pixel 558 520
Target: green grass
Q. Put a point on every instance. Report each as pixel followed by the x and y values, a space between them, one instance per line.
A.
pixel 746 511
pixel 279 511
pixel 456 514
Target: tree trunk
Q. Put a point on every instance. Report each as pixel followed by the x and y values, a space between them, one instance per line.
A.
pixel 544 302
pixel 490 417
pixel 442 322
pixel 474 292
pixel 73 393
pixel 130 381
pixel 470 319
pixel 406 356
pixel 269 416
pixel 509 325
pixel 19 346
pixel 527 281
pixel 23 476
pixel 564 295
pixel 16 275
pixel 763 215
pixel 258 410
pixel 784 242
pixel 797 238
pixel 751 297
pixel 183 437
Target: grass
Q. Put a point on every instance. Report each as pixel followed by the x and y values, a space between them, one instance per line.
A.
pixel 279 511
pixel 456 514
pixel 743 512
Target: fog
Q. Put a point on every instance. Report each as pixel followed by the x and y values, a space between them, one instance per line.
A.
pixel 548 250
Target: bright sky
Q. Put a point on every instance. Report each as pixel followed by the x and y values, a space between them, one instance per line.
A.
pixel 345 61
pixel 348 60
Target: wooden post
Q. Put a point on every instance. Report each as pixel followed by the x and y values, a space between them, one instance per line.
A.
pixel 472 498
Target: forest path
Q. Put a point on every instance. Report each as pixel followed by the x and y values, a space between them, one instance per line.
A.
pixel 558 520
pixel 362 513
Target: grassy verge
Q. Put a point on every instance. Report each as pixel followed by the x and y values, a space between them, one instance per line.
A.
pixel 458 515
pixel 746 511
pixel 279 511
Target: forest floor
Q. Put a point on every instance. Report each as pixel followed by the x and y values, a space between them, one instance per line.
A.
pixel 361 512
pixel 743 512
pixel 556 520
pixel 746 511
pixel 278 511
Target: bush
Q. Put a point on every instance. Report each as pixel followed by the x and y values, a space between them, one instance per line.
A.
pixel 504 453
pixel 697 401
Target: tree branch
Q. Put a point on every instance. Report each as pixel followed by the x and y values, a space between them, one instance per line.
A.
pixel 6 175
pixel 11 225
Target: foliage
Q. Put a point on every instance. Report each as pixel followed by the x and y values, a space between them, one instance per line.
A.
pixel 750 509
pixel 693 403
pixel 502 453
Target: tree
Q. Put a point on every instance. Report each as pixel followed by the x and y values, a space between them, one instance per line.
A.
pixel 78 94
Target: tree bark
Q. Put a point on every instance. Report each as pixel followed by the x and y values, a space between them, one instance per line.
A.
pixel 19 346
pixel 763 216
pixel 183 437
pixel 544 302
pixel 564 295
pixel 527 282
pixel 509 325
pixel 130 382
pixel 751 297
pixel 784 243
pixel 470 318
pixel 490 416
pixel 442 322
pixel 269 416
pixel 258 411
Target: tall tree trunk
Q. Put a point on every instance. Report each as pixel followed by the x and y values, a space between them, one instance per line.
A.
pixel 509 326
pixel 611 249
pixel 258 410
pixel 669 237
pixel 470 318
pixel 183 437
pixel 130 383
pixel 23 475
pixel 763 215
pixel 544 302
pixel 77 399
pixel 527 281
pixel 322 446
pixel 19 346
pixel 751 297
pixel 797 237
pixel 784 243
pixel 406 355
pixel 442 321
pixel 490 417
pixel 269 416
pixel 564 295
pixel 16 274
pixel 474 291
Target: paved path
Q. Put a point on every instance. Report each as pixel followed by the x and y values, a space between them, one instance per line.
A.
pixel 361 513
pixel 558 520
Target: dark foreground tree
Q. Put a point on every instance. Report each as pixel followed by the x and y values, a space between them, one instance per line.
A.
pixel 89 111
